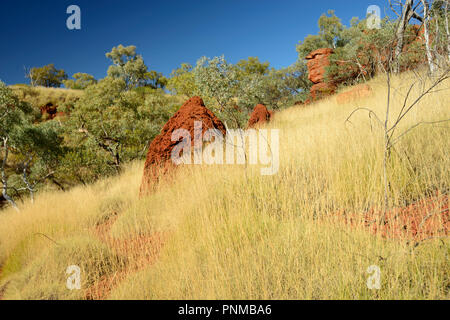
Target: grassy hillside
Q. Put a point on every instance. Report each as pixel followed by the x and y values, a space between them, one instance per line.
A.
pixel 227 232
pixel 40 96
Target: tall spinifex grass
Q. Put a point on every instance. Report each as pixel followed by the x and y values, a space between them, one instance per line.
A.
pixel 230 233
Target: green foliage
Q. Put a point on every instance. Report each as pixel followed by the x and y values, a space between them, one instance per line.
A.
pixel 293 86
pixel 230 97
pixel 251 66
pixel 30 152
pixel 329 36
pixel 155 80
pixel 309 44
pixel 130 67
pixel 366 52
pixel 80 81
pixel 331 29
pixel 40 96
pixel 232 91
pixel 47 76
pixel 216 79
pixel 109 126
pixel 359 52
pixel 414 52
pixel 13 113
pixel 182 81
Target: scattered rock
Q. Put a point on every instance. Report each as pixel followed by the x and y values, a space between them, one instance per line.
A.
pixel 260 115
pixel 358 92
pixel 160 150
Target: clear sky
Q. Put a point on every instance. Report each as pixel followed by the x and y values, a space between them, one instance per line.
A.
pixel 166 33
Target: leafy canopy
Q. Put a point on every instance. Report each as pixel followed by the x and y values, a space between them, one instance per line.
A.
pixel 80 81
pixel 47 76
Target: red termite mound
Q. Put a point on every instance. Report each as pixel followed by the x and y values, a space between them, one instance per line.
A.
pixel 160 150
pixel 259 116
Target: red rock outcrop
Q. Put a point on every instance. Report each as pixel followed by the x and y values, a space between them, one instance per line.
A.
pixel 318 60
pixel 260 115
pixel 160 150
pixel 49 111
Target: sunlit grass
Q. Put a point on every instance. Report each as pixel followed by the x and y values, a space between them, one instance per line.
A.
pixel 226 232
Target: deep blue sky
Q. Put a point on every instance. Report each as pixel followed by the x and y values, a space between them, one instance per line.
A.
pixel 166 33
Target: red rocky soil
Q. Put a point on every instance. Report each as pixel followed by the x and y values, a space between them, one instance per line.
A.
pixel 358 92
pixel 425 219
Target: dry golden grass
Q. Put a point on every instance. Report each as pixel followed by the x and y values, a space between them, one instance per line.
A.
pixel 227 232
pixel 40 96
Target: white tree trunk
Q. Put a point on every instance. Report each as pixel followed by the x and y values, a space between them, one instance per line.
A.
pixel 4 178
pixel 426 19
pixel 447 29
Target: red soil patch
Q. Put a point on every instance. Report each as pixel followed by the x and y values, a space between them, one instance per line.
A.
pixel 160 150
pixel 357 92
pixel 140 251
pixel 424 219
pixel 260 115
pixel 102 289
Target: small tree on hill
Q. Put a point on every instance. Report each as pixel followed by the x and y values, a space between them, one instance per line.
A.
pixel 128 66
pixel 47 76
pixel 330 35
pixel 182 81
pixel 251 66
pixel 80 81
